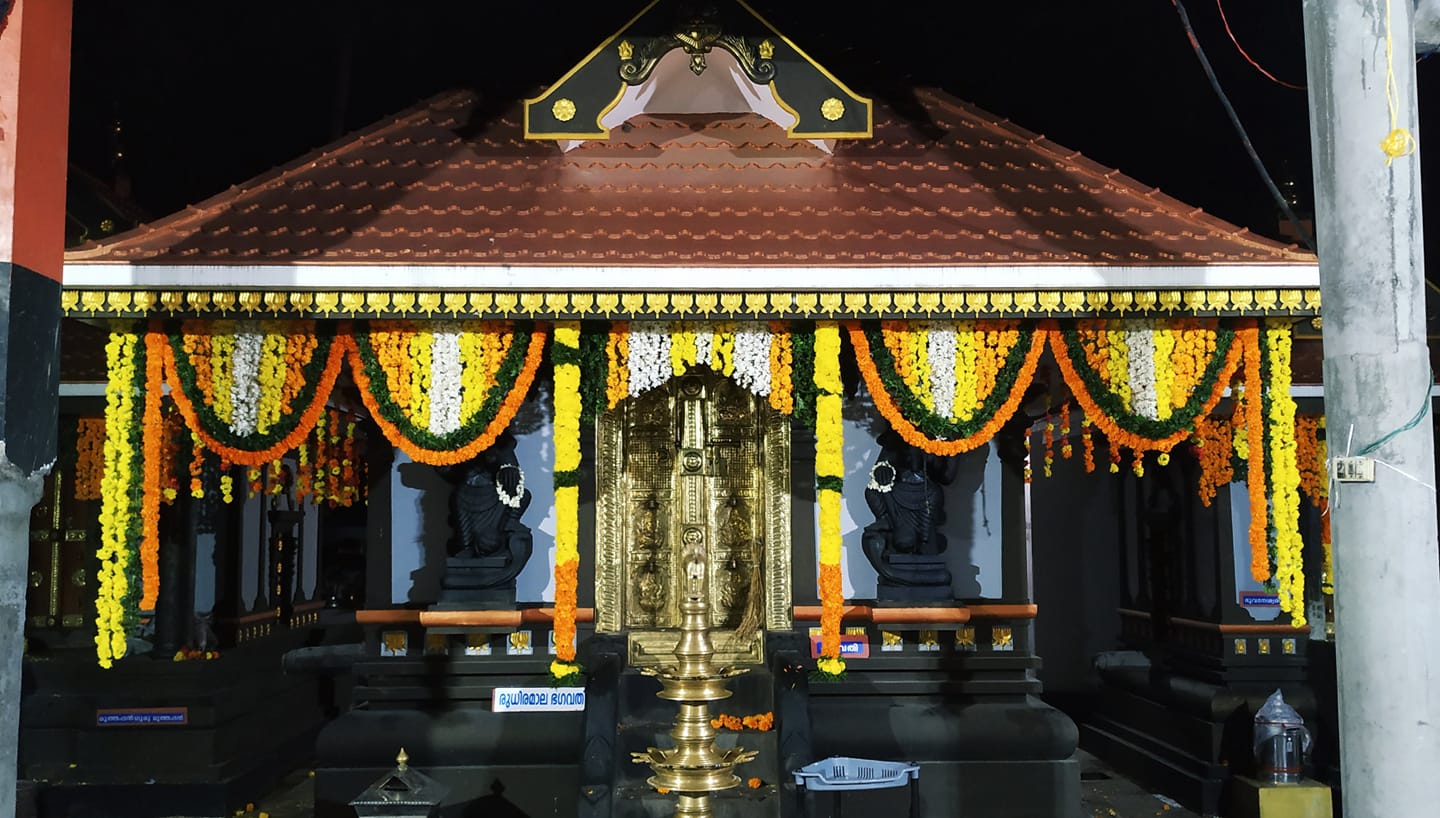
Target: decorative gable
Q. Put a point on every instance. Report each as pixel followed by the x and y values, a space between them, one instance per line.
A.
pixel 678 57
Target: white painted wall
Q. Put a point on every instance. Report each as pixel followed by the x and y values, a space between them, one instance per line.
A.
pixel 972 507
pixel 420 509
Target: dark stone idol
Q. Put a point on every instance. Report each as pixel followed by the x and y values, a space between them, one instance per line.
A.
pixel 491 545
pixel 906 493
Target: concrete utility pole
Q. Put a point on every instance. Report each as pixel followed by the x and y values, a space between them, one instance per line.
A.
pixel 1377 377
pixel 34 106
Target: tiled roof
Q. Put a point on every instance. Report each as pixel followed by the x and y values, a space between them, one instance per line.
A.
pixel 431 188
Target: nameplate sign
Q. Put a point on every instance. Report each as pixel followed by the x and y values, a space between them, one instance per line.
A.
pixel 143 717
pixel 537 699
pixel 852 646
pixel 1259 599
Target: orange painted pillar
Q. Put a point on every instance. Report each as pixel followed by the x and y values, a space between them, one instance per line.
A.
pixel 34 107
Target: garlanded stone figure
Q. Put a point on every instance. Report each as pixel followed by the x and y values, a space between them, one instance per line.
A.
pixel 491 545
pixel 906 493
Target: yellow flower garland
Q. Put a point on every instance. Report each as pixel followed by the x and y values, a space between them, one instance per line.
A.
pixel 475 378
pixel 967 392
pixel 1164 371
pixel 1284 475
pixel 271 377
pixel 222 352
pixel 829 472
pixel 1119 367
pixel 568 407
pixel 682 349
pixel 117 495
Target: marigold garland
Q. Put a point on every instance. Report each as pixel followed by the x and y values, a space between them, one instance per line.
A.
pixel 1106 398
pixel 907 413
pixel 194 361
pixel 565 353
pixel 377 371
pixel 782 364
pixel 829 479
pixel 155 343
pixel 120 491
pixel 617 351
pixel 1289 571
pixel 1311 454
pixel 1212 443
pixel 1249 340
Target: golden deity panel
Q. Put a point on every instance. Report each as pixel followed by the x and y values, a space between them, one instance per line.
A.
pixel 698 461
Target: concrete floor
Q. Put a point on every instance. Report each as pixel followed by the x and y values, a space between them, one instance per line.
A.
pixel 1104 794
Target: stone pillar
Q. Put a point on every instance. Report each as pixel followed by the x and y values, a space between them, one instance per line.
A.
pixel 1377 377
pixel 34 104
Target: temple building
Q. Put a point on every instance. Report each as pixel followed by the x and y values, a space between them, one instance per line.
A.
pixel 482 399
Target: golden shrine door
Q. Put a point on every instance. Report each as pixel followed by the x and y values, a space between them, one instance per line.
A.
pixel 699 460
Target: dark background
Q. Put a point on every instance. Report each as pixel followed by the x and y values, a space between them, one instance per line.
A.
pixel 207 94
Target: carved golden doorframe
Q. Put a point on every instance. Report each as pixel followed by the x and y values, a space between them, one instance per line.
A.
pixel 698 460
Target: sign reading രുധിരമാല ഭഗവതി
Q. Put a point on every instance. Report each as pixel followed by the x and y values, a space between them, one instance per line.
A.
pixel 537 699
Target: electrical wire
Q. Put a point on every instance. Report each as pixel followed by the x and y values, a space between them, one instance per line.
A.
pixel 1409 424
pixel 1220 4
pixel 1275 193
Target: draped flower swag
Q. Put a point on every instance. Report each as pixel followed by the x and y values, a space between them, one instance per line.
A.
pixel 442 391
pixel 947 388
pixel 252 390
pixel 1145 383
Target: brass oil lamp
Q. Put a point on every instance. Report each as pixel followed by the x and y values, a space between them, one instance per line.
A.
pixel 695 767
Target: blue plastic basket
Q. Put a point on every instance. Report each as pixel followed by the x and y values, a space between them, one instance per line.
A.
pixel 839 773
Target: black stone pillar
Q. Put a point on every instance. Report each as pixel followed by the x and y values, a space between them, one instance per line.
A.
pixel 175 605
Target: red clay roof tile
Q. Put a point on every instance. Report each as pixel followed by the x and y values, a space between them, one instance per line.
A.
pixel 722 190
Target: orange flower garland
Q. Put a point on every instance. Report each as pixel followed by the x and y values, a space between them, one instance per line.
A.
pixel 1248 338
pixel 155 345
pixel 1311 454
pixel 617 352
pixel 782 360
pixel 1212 439
pixel 914 436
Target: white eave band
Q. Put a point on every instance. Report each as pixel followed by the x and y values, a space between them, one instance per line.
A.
pixel 517 278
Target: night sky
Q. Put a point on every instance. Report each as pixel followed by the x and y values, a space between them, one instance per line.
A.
pixel 209 94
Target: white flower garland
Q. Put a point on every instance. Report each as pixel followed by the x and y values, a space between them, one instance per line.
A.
pixel 649 359
pixel 752 358
pixel 940 350
pixel 245 380
pixel 1140 360
pixel 704 347
pixel 511 500
pixel 876 485
pixel 445 382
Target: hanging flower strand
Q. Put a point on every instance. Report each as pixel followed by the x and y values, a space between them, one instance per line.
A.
pixel 565 353
pixel 829 481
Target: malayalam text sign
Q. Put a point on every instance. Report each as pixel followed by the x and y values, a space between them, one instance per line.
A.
pixel 537 699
